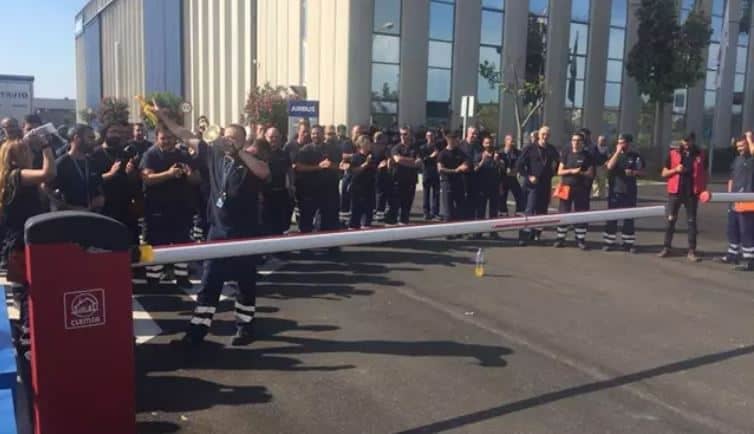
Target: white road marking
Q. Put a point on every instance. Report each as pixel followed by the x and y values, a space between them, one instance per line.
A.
pixel 146 325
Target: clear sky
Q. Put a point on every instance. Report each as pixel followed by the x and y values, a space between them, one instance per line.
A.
pixel 39 41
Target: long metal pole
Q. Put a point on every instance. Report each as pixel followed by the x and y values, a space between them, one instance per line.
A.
pixel 727 197
pixel 261 246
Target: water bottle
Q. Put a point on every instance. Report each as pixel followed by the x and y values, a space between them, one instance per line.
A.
pixel 479 264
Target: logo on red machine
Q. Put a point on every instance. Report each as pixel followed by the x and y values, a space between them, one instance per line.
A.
pixel 84 308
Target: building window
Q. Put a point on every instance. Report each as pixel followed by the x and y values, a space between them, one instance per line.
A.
pixel 742 67
pixel 576 74
pixel 713 66
pixel 490 51
pixel 615 67
pixel 386 62
pixel 440 61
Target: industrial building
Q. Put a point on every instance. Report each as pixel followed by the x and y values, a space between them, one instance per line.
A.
pixel 407 61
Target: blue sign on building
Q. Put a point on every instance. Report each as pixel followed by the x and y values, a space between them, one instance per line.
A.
pixel 303 109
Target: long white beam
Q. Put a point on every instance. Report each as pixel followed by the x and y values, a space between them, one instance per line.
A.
pixel 262 246
pixel 708 196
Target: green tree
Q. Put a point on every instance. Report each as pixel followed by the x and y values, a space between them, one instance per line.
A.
pixel 528 92
pixel 667 55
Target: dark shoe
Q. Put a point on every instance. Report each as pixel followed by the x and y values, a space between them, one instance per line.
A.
pixel 727 259
pixel 558 244
pixel 194 336
pixel 522 243
pixel 184 283
pixel 664 253
pixel 582 245
pixel 746 266
pixel 693 257
pixel 244 336
pixel 494 235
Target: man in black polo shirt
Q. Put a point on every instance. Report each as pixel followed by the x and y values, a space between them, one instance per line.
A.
pixel 576 170
pixel 452 163
pixel 430 177
pixel 120 177
pixel 488 167
pixel 236 178
pixel 277 192
pixel 168 178
pixel 317 176
pixel 78 184
pixel 623 169
pixel 363 170
pixel 406 164
pixel 537 165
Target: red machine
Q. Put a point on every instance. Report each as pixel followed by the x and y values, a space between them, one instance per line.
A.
pixel 81 324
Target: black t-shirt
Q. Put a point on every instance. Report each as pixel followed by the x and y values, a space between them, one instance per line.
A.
pixel 572 160
pixel 118 190
pixel 510 158
pixel 20 202
pixel 618 181
pixel 312 155
pixel 489 174
pixel 540 162
pixel 364 180
pixel 452 159
pixel 430 163
pixel 404 174
pixel 234 196
pixel 78 180
pixel 280 164
pixel 742 174
pixel 137 149
pixel 173 195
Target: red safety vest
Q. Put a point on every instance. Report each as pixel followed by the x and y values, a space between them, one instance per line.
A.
pixel 699 175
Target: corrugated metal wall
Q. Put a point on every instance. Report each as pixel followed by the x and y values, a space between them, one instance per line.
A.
pixel 326 59
pixel 92 80
pixel 163 65
pixel 80 75
pixel 219 52
pixel 123 52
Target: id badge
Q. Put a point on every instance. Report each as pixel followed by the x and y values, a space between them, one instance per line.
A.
pixel 220 202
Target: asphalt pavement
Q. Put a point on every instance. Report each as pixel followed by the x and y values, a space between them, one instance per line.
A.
pixel 402 337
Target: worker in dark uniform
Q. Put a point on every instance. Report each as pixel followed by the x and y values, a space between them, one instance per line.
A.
pixel 168 178
pixel 119 170
pixel 623 168
pixel 237 175
pixel 317 172
pixel 576 170
pixel 741 219
pixel 686 171
pixel 363 170
pixel 510 184
pixel 302 138
pixel 452 163
pixel 430 178
pixel 277 193
pixel 471 146
pixel 537 164
pixel 489 167
pixel 347 148
pixel 381 154
pixel 78 183
pixel 406 164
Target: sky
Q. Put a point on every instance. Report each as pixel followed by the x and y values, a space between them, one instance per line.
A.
pixel 39 41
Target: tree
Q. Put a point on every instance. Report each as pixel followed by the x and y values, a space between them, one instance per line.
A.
pixel 667 55
pixel 112 110
pixel 528 92
pixel 268 105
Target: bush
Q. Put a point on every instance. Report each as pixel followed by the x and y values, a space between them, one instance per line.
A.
pixel 112 110
pixel 268 105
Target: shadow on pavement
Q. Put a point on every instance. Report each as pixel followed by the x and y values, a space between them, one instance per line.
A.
pixel 584 389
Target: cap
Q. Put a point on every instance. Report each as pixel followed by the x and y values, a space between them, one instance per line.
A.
pixel 626 136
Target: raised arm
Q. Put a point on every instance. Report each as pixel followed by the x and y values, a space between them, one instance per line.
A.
pixel 183 133
pixel 46 173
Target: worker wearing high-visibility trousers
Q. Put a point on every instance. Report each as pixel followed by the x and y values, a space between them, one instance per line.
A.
pixel 741 215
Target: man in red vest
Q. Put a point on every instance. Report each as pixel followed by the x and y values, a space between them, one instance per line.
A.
pixel 686 172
